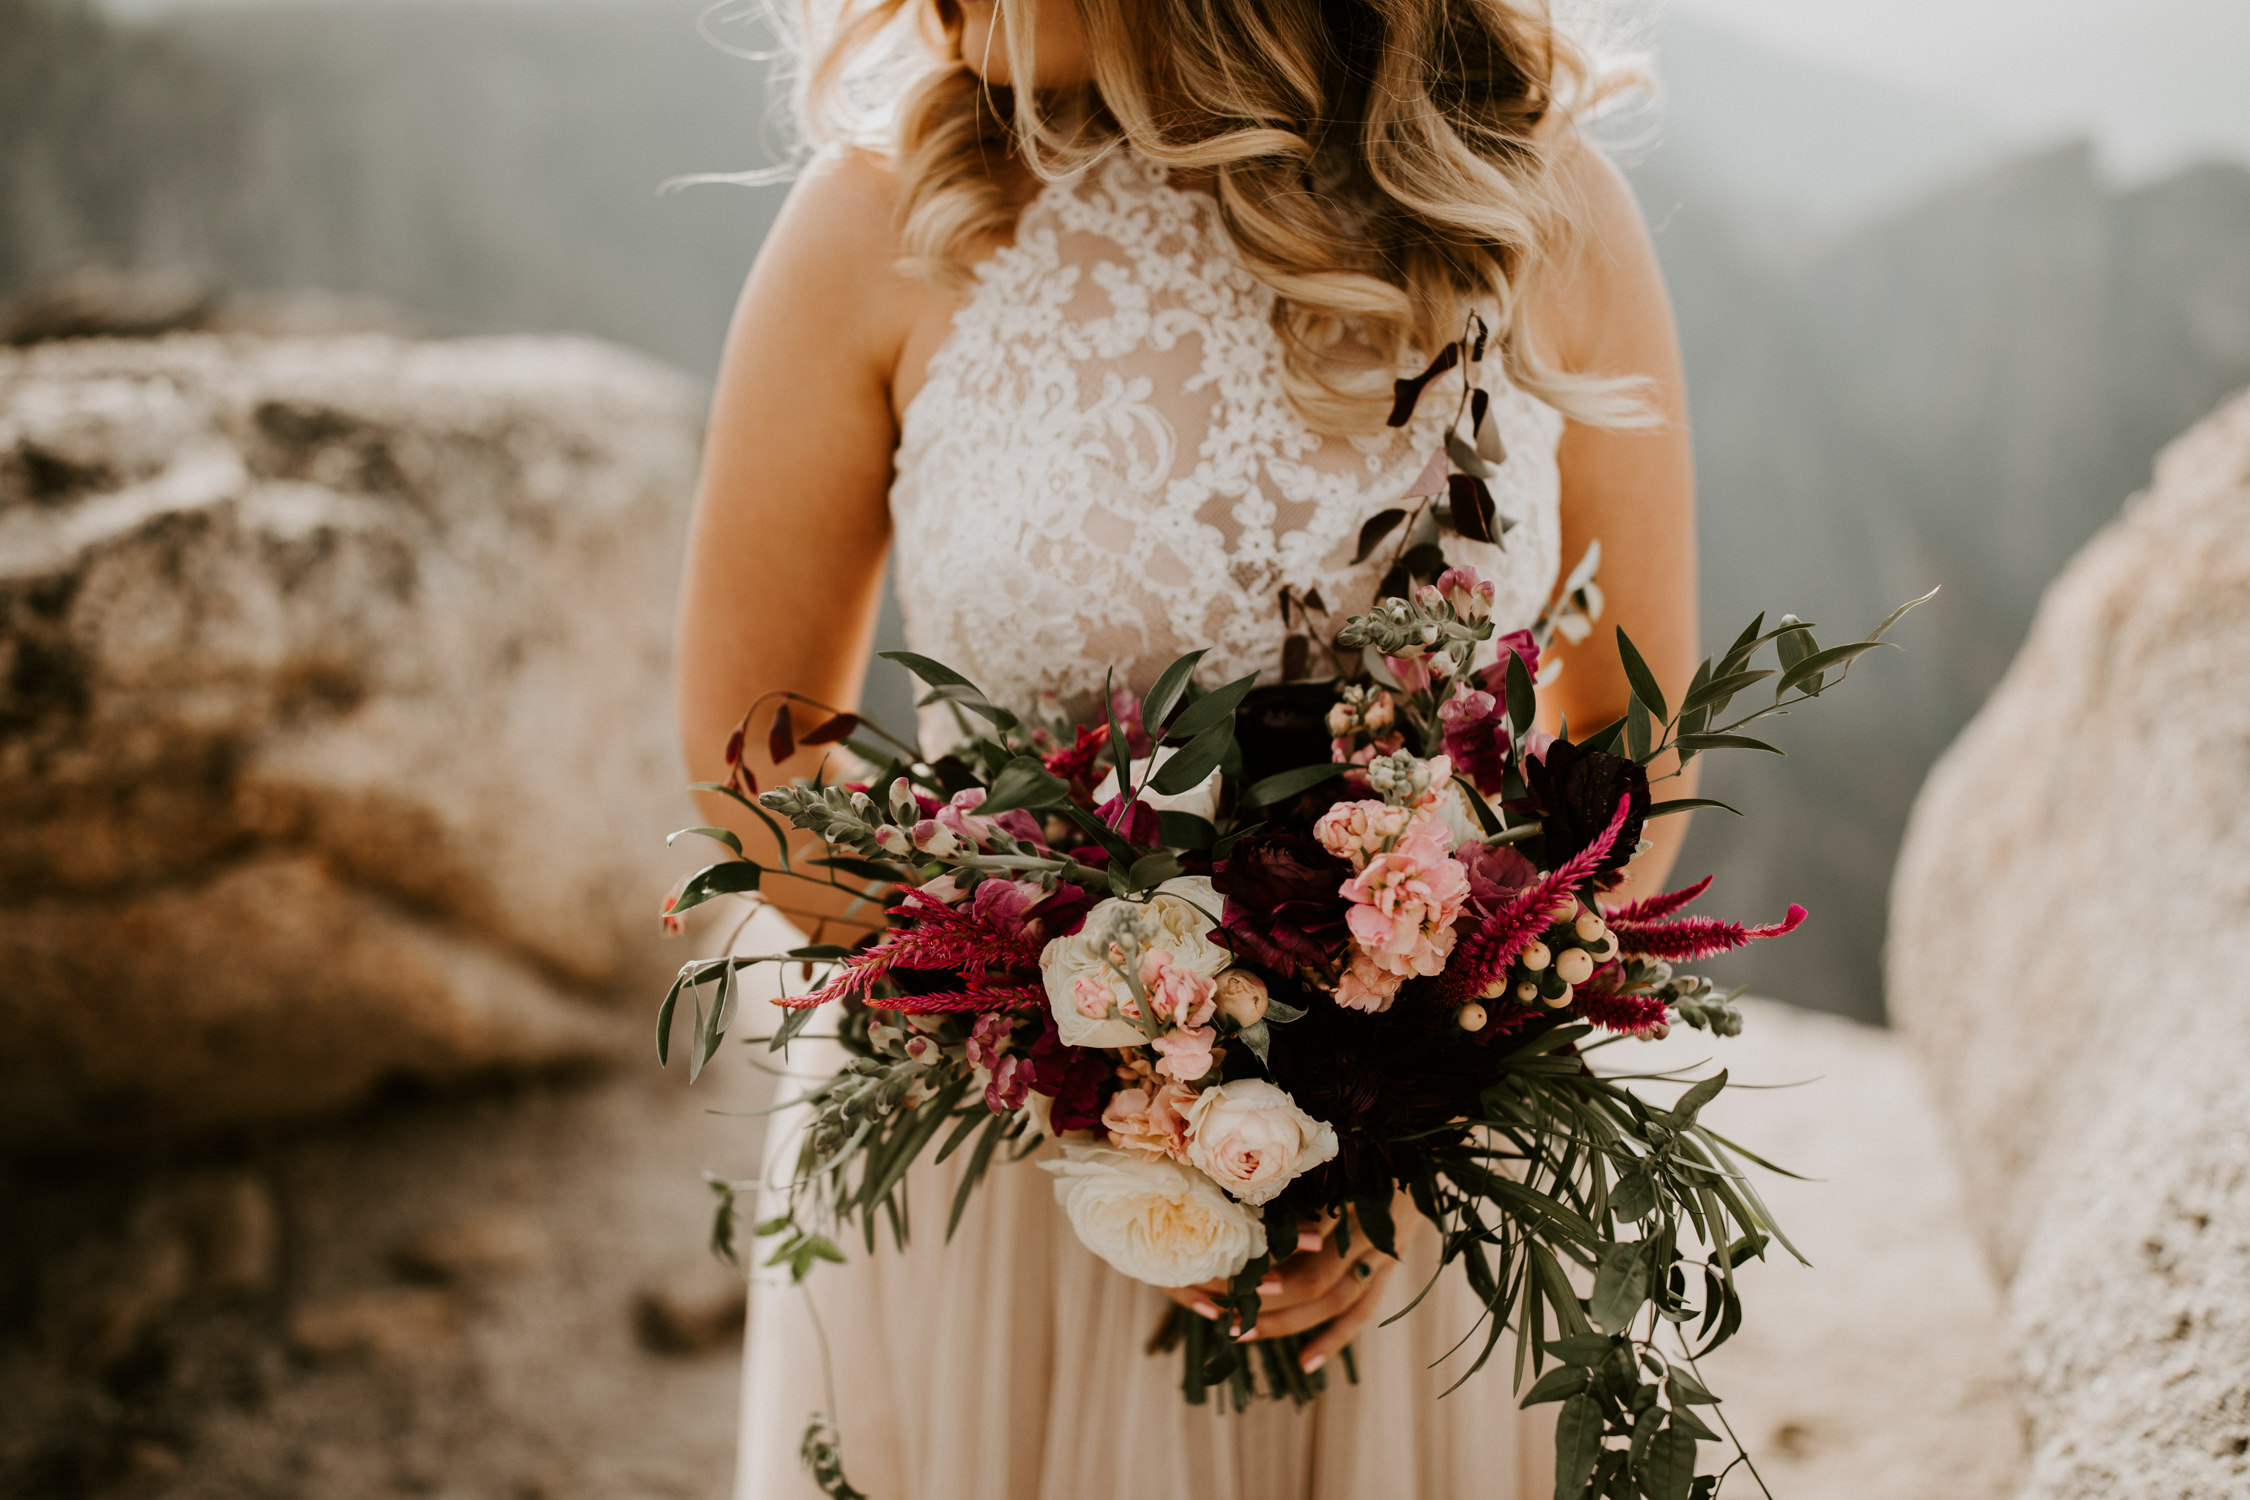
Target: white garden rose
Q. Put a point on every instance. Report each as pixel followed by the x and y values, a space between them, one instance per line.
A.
pixel 1250 1138
pixel 1154 1220
pixel 1175 918
pixel 1202 799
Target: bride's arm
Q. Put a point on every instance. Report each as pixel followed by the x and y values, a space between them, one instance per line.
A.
pixel 785 552
pixel 1606 313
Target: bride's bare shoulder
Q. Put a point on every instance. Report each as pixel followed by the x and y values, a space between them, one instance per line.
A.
pixel 1604 293
pixel 826 299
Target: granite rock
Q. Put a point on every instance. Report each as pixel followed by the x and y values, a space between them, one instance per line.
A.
pixel 2067 920
pixel 335 737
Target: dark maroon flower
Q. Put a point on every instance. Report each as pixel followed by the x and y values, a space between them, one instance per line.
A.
pixel 1074 1077
pixel 1476 739
pixel 1576 791
pixel 1283 907
pixel 1496 872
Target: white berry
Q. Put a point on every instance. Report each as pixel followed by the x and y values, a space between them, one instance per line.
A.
pixel 1472 1017
pixel 1575 967
pixel 1536 957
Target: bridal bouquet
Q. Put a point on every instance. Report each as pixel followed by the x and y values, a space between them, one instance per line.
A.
pixel 1257 958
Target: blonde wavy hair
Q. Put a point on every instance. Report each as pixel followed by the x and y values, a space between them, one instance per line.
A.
pixel 1385 166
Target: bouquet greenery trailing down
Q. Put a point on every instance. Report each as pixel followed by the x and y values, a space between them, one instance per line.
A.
pixel 1291 955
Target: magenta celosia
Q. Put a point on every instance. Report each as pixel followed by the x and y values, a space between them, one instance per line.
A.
pixel 1484 955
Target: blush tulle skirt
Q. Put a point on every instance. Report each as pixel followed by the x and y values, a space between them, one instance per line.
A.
pixel 1010 1364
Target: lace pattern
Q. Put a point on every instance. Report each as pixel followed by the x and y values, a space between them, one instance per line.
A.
pixel 1102 469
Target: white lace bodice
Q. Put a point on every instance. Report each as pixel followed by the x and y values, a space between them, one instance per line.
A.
pixel 1102 469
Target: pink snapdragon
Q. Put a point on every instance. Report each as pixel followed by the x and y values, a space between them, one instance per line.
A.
pixel 1185 1053
pixel 1404 904
pixel 1177 993
pixel 1357 832
pixel 1471 595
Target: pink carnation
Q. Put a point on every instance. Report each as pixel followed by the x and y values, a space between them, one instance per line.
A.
pixel 1185 1053
pixel 1366 985
pixel 1404 904
pixel 1150 1118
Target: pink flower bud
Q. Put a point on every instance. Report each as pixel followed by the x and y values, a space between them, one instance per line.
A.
pixel 1242 997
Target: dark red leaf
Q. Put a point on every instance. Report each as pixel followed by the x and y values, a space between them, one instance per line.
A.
pixel 1314 601
pixel 1288 597
pixel 1296 654
pixel 1472 507
pixel 1406 393
pixel 1378 526
pixel 1479 404
pixel 781 743
pixel 1424 562
pixel 1476 321
pixel 843 726
pixel 734 746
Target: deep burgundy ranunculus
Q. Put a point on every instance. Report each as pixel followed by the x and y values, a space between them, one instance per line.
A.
pixel 1283 903
pixel 1577 791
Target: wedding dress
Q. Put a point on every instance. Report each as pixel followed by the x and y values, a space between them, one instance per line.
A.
pixel 1101 471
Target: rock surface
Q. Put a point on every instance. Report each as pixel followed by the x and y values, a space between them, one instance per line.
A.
pixel 2068 922
pixel 441 1298
pixel 1879 1371
pixel 335 741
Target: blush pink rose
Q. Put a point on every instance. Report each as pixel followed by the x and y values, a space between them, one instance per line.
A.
pixel 1250 1138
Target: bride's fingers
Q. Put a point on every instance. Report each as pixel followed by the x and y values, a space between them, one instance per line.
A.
pixel 1348 1292
pixel 1347 1324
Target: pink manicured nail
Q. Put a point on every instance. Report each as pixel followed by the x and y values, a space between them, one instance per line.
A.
pixel 1312 1362
pixel 1270 1287
pixel 1309 1239
pixel 1208 1309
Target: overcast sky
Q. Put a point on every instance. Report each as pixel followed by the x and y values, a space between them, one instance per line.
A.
pixel 2155 82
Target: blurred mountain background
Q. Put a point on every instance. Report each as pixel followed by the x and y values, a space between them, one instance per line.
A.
pixel 1934 336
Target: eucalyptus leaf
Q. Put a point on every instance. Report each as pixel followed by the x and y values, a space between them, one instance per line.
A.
pixel 1578 1446
pixel 1187 767
pixel 1283 785
pixel 936 674
pixel 1701 742
pixel 1024 783
pixel 1643 681
pixel 1164 695
pixel 1210 709
pixel 1620 1288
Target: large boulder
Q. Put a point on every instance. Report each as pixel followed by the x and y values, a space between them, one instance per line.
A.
pixel 2068 923
pixel 335 738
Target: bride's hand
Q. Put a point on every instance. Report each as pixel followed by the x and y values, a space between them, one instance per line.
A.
pixel 1316 1286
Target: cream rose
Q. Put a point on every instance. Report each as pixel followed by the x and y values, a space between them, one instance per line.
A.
pixel 1250 1138
pixel 1154 1220
pixel 1176 919
pixel 1202 799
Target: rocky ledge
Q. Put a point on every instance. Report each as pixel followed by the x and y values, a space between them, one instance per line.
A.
pixel 2067 928
pixel 335 742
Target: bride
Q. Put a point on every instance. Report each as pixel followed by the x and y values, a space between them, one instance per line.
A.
pixel 1086 318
